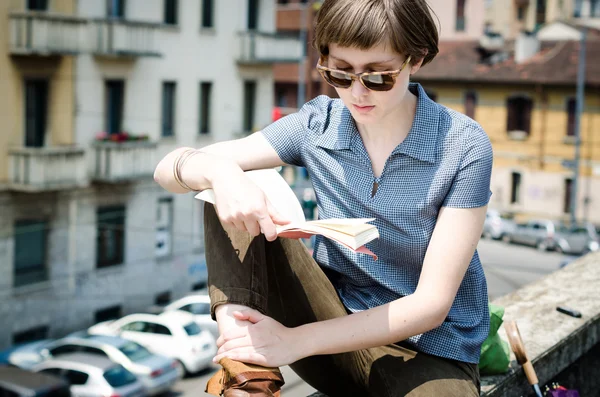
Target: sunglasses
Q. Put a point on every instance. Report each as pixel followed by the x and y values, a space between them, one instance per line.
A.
pixel 376 81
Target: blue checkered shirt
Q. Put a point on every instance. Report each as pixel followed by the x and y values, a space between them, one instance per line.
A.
pixel 446 160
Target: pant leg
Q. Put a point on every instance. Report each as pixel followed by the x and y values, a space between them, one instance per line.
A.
pixel 282 280
pixel 396 370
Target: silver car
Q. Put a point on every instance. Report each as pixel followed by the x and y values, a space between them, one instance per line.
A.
pixel 497 224
pixel 577 239
pixel 539 233
pixel 90 375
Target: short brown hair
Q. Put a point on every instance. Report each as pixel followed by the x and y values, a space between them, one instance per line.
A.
pixel 406 25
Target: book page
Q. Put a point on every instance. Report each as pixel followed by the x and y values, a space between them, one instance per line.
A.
pixel 279 193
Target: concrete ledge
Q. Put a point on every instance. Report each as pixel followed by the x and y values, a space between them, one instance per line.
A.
pixel 553 340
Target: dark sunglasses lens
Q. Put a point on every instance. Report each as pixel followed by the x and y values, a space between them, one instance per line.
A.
pixel 338 79
pixel 378 82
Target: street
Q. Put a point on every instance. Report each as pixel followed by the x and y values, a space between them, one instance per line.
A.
pixel 507 267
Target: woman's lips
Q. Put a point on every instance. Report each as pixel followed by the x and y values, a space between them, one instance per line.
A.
pixel 363 109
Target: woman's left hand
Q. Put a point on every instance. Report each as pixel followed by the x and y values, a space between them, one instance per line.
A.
pixel 265 342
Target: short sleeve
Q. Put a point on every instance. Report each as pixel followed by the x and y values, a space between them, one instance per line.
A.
pixel 471 185
pixel 288 134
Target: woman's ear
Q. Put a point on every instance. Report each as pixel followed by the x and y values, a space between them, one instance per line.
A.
pixel 414 67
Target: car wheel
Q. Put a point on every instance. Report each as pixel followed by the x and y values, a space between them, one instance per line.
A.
pixel 506 238
pixel 181 371
pixel 559 249
pixel 542 246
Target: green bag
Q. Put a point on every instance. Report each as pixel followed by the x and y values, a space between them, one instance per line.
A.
pixel 495 353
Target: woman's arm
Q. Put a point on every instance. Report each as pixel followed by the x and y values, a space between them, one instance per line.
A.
pixel 444 267
pixel 223 160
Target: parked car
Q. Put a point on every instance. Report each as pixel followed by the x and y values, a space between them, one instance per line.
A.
pixel 199 306
pixel 497 224
pixel 173 334
pixel 25 355
pixel 19 382
pixel 538 233
pixel 90 375
pixel 577 239
pixel 157 373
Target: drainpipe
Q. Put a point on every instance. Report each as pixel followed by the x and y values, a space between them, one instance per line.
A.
pixel 543 95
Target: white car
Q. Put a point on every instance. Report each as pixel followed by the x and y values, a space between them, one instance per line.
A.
pixel 199 306
pixel 173 334
pixel 90 375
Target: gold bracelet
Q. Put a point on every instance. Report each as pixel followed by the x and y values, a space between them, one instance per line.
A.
pixel 178 164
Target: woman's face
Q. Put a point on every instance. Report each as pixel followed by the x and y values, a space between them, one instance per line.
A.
pixel 366 106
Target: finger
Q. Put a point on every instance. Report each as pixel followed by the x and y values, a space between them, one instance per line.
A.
pixel 234 344
pixel 268 228
pixel 254 316
pixel 231 335
pixel 245 355
pixel 276 216
pixel 252 227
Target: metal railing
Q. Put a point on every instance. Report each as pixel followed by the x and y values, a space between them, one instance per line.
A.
pixel 46 168
pixel 122 161
pixel 261 47
pixel 43 33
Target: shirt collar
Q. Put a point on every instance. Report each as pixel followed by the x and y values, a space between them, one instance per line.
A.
pixel 420 143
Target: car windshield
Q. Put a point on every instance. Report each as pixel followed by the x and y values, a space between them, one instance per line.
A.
pixel 118 376
pixel 192 329
pixel 134 351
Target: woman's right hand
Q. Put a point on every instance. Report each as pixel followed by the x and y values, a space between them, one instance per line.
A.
pixel 243 205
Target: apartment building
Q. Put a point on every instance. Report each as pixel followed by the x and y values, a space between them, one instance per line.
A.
pixel 510 17
pixel 95 92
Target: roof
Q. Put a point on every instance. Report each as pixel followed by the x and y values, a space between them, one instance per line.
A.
pixel 86 359
pixel 91 339
pixel 555 64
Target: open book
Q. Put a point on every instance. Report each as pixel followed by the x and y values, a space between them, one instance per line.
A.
pixel 352 233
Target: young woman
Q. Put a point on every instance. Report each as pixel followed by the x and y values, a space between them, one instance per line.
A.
pixel 410 323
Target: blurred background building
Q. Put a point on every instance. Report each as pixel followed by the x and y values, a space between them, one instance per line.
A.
pixel 94 93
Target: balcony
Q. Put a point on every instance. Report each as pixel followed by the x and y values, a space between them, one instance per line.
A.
pixel 46 168
pixel 123 161
pixel 123 38
pixel 40 33
pixel 264 48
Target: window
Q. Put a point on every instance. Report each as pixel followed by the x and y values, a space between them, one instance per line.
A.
pixel 460 15
pixel 192 329
pixel 64 349
pixel 163 298
pixel 135 352
pixel 36 108
pixel 171 12
pixel 115 8
pixel 249 105
pixel 31 242
pixel 252 15
pixel 53 371
pixel 37 5
pixel 135 326
pixel 168 109
pixel 515 190
pixel 93 350
pixel 159 329
pixel 118 376
pixel 109 313
pixel 282 1
pixel 595 8
pixel 470 104
pixel 577 9
pixel 197 308
pixel 208 9
pixel 568 195
pixel 110 247
pixel 204 111
pixel 521 13
pixel 540 16
pixel 199 286
pixel 114 101
pixel 519 114
pixel 76 377
pixel 571 115
pixel 30 335
pixel 164 227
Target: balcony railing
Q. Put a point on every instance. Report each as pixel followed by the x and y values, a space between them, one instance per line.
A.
pixel 120 37
pixel 43 33
pixel 123 161
pixel 46 168
pixel 260 47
